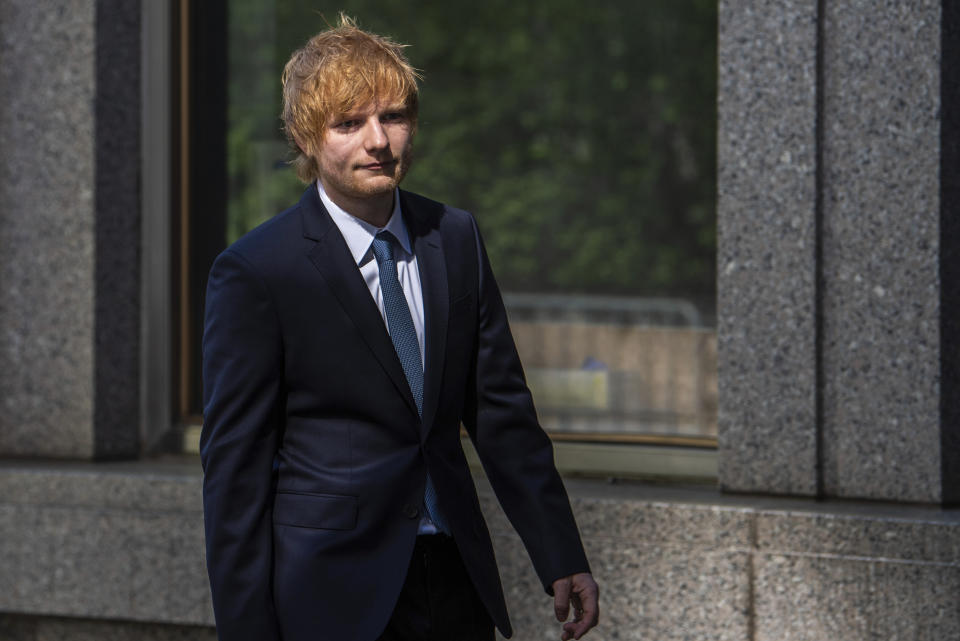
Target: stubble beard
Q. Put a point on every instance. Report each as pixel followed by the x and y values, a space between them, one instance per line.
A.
pixel 400 169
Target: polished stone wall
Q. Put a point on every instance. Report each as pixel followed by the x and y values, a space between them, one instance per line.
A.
pixel 766 253
pixel 116 550
pixel 47 234
pixel 69 228
pixel 104 542
pixel 680 565
pixel 881 252
pixel 833 333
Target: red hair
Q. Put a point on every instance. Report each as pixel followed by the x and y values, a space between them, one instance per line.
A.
pixel 337 71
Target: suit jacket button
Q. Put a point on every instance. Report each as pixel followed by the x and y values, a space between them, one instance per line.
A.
pixel 411 511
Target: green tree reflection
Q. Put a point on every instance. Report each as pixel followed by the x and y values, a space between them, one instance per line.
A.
pixel 582 136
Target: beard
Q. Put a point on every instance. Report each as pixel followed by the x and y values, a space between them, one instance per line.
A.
pixel 358 185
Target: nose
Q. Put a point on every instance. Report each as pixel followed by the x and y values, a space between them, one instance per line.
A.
pixel 375 138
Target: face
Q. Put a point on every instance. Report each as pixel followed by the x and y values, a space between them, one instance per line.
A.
pixel 366 153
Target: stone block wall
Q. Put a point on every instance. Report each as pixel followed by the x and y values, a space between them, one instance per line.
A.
pixel 834 147
pixel 115 551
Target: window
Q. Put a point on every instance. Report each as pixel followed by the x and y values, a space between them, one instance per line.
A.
pixel 583 142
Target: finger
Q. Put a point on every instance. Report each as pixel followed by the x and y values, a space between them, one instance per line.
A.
pixel 577 606
pixel 586 600
pixel 575 629
pixel 570 630
pixel 589 598
pixel 561 598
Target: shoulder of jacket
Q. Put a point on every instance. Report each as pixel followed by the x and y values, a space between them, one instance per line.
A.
pixel 421 205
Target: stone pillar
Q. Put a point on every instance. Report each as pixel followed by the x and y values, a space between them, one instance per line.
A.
pixel 69 228
pixel 766 325
pixel 838 254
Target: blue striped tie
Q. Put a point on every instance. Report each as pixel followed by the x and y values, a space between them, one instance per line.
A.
pixel 404 337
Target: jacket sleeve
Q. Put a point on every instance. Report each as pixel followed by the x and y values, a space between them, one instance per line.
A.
pixel 516 453
pixel 242 381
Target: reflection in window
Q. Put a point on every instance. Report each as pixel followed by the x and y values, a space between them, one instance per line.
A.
pixel 583 141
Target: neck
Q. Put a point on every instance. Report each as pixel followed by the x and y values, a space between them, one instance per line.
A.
pixel 375 209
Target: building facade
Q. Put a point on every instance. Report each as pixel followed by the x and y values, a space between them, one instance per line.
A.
pixel 838 278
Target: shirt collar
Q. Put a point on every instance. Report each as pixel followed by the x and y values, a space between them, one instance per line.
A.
pixel 359 233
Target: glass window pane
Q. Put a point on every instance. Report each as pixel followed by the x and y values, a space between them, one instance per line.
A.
pixel 584 143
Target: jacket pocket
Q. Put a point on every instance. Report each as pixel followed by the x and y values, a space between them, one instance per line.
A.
pixel 318 511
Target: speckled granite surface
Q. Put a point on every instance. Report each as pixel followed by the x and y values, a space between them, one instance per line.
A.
pixel 47 228
pixel 881 344
pixel 766 222
pixel 69 228
pixel 113 542
pixel 811 599
pixel 124 542
pixel 691 565
pixel 842 576
pixel 882 433
pixel 667 572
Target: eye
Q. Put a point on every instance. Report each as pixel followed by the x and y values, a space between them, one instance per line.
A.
pixel 346 125
pixel 392 116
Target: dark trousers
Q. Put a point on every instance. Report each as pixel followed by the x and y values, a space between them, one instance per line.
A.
pixel 438 601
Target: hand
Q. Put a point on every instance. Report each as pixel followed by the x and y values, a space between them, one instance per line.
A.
pixel 582 591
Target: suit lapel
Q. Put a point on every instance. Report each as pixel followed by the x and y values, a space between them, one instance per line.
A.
pixel 433 281
pixel 422 218
pixel 332 258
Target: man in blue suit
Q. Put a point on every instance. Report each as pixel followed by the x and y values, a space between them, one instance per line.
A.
pixel 346 341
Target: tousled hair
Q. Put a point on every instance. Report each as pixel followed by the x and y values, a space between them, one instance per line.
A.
pixel 337 71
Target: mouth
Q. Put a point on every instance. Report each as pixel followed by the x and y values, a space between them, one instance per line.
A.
pixel 378 166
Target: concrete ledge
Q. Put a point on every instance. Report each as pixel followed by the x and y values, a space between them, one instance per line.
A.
pixel 105 546
pixel 33 628
pixel 676 563
pixel 117 541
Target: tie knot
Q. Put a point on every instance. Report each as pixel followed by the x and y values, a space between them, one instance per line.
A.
pixel 383 247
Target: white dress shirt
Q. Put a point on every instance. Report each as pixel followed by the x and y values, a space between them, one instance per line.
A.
pixel 359 235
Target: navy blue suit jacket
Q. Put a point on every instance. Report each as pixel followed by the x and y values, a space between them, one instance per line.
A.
pixel 314 455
